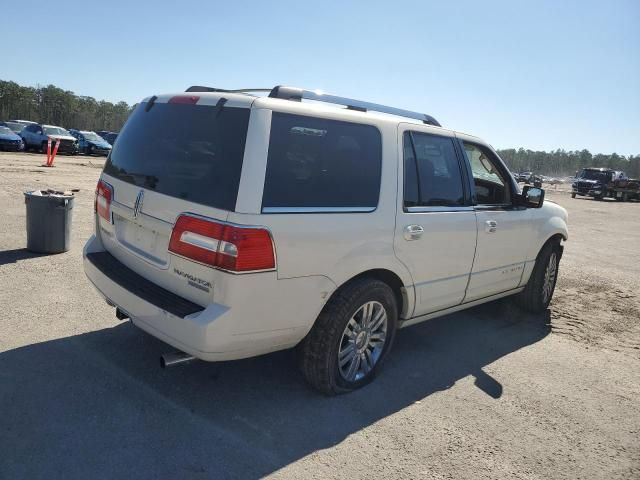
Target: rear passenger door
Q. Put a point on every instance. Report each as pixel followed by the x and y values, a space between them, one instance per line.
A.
pixel 504 228
pixel 435 234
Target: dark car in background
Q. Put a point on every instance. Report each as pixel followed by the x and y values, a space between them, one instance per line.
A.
pixel 525 177
pixel 103 133
pixel 36 136
pixel 16 127
pixel 90 143
pixel 111 137
pixel 9 140
pixel 595 182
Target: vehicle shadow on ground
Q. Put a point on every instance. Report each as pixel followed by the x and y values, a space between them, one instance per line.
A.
pixel 97 405
pixel 13 256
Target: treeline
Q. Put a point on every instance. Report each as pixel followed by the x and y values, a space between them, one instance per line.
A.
pixel 563 163
pixel 54 106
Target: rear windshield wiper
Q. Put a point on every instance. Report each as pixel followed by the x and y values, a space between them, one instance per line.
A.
pixel 150 103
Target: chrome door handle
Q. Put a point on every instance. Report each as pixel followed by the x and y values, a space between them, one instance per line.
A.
pixel 490 226
pixel 413 232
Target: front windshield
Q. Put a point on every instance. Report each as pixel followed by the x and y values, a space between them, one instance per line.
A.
pixel 55 131
pixel 92 136
pixel 5 130
pixel 594 175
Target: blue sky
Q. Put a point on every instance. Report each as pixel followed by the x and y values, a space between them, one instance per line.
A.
pixel 537 74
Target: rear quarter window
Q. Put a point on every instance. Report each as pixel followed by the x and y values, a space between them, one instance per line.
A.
pixel 318 164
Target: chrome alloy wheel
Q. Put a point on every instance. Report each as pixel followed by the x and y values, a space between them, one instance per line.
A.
pixel 362 341
pixel 549 278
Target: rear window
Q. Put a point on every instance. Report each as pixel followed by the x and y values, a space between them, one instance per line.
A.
pixel 321 165
pixel 186 151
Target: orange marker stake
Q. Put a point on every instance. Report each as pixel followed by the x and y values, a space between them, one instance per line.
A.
pixel 48 151
pixel 55 150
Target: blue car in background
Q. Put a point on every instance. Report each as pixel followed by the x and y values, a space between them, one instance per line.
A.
pixel 90 143
pixel 16 127
pixel 9 140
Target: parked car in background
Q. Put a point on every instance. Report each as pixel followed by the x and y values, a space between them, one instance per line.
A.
pixel 553 180
pixel 103 133
pixel 9 140
pixel 16 127
pixel 595 182
pixel 525 177
pixel 271 222
pixel 90 143
pixel 36 136
pixel 111 137
pixel 23 122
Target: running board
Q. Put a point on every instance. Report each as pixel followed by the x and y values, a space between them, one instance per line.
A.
pixel 457 308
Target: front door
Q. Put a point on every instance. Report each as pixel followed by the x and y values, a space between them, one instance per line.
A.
pixel 435 233
pixel 503 227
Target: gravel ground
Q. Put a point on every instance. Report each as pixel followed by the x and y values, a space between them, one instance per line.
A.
pixel 486 393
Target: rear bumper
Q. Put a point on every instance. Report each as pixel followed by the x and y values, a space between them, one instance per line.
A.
pixel 213 333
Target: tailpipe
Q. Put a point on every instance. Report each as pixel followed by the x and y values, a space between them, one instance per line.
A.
pixel 175 358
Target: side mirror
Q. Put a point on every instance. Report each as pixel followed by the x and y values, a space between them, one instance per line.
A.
pixel 532 197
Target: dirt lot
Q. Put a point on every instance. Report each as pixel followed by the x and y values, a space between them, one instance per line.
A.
pixel 487 393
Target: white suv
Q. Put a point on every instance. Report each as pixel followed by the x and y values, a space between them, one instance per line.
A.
pixel 230 224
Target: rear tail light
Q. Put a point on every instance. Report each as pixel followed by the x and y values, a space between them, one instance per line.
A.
pixel 228 247
pixel 104 195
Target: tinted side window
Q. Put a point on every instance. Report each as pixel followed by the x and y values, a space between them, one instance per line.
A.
pixel 432 171
pixel 316 163
pixel 490 184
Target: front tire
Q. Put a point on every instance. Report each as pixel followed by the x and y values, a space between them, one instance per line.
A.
pixel 573 195
pixel 351 338
pixel 537 295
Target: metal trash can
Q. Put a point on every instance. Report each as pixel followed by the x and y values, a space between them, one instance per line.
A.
pixel 48 220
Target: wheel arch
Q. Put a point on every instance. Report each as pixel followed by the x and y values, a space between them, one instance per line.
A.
pixel 404 298
pixel 557 237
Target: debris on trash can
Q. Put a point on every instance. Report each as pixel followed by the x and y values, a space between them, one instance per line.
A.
pixel 49 220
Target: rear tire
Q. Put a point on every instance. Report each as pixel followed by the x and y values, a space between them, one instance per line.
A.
pixel 351 338
pixel 573 195
pixel 537 295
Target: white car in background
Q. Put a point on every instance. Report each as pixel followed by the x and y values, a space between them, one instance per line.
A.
pixel 230 224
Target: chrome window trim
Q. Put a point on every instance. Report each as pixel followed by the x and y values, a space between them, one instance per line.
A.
pixel 438 209
pixel 318 209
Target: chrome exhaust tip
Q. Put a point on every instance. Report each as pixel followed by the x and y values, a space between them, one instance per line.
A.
pixel 175 358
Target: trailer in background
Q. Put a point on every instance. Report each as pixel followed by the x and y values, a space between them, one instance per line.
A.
pixel 626 189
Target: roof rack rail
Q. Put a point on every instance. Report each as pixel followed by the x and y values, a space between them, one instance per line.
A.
pixel 198 88
pixel 297 94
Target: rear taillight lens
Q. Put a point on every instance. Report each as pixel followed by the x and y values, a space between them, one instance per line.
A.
pixel 104 195
pixel 228 247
